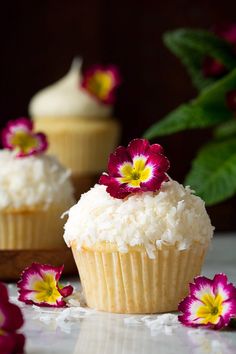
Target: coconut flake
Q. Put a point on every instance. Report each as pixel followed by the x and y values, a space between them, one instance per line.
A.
pixel 158 324
pixel 171 216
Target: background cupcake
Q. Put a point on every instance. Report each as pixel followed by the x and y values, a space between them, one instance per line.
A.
pixel 35 190
pixel 76 113
pixel 139 237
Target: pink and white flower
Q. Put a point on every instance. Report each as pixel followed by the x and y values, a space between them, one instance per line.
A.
pixel 19 136
pixel 11 320
pixel 140 167
pixel 101 82
pixel 39 285
pixel 211 303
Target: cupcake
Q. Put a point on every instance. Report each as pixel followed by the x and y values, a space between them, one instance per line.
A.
pixel 138 237
pixel 35 190
pixel 76 114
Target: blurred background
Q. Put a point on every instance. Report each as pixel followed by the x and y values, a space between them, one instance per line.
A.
pixel 39 39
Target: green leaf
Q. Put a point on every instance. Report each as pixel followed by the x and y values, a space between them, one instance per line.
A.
pixel 225 130
pixel 189 116
pixel 208 109
pixel 213 174
pixel 192 46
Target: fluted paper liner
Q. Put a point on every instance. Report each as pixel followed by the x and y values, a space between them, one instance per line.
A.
pixel 32 229
pixel 83 145
pixel 133 283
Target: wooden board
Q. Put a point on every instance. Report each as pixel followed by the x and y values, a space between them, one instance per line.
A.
pixel 13 262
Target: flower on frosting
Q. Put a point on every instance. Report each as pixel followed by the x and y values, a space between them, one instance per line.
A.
pixel 39 285
pixel 11 320
pixel 101 82
pixel 213 67
pixel 139 167
pixel 211 303
pixel 19 137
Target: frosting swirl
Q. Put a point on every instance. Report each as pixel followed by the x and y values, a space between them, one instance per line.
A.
pixel 66 97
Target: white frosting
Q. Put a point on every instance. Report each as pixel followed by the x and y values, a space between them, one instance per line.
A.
pixel 33 180
pixel 67 98
pixel 172 216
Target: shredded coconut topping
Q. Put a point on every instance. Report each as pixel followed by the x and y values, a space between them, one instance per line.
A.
pixel 32 180
pixel 171 216
pixel 158 324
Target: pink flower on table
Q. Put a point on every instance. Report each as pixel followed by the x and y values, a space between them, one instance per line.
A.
pixel 140 167
pixel 39 285
pixel 101 82
pixel 211 303
pixel 11 320
pixel 19 136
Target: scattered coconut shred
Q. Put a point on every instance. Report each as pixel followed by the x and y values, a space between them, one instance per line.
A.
pixel 77 309
pixel 65 318
pixel 158 324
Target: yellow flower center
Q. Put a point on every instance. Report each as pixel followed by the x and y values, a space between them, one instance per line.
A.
pixel 46 290
pixel 211 309
pixel 100 84
pixel 136 173
pixel 2 332
pixel 23 141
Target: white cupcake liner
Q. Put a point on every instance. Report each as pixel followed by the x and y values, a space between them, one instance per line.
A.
pixel 81 145
pixel 32 229
pixel 133 283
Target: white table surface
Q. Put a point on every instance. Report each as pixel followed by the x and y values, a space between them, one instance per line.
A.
pixel 104 333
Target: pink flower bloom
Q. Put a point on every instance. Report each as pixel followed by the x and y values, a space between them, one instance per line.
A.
pixel 231 100
pixel 140 167
pixel 19 136
pixel 211 303
pixel 11 320
pixel 39 285
pixel 101 82
pixel 213 67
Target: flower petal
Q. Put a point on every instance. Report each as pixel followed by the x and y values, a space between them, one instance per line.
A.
pixel 222 287
pixel 18 136
pixel 3 293
pixel 154 183
pixel 118 158
pixel 42 142
pixel 159 163
pixel 66 291
pixel 211 303
pixel 138 147
pixel 39 285
pixel 11 317
pixel 114 188
pixel 156 149
pixel 231 100
pixel 12 343
pixel 101 82
pixel 201 286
